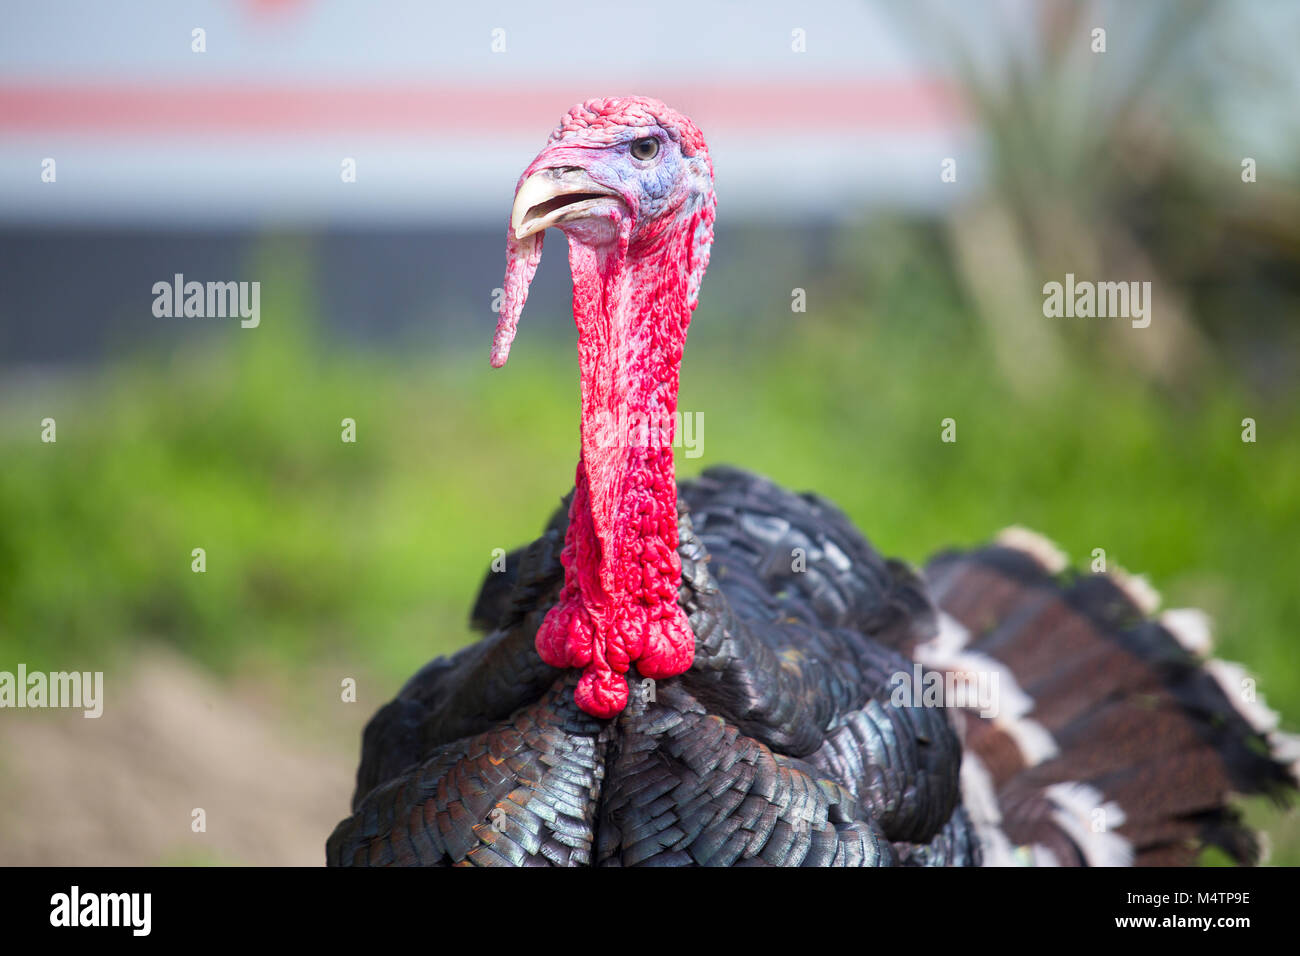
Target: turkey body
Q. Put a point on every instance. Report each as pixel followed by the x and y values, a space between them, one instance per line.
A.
pixel 787 742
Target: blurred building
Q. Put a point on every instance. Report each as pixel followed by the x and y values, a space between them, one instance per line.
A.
pixel 171 148
pixel 390 135
pixel 440 106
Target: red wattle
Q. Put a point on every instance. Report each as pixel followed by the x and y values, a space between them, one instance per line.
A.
pixel 632 302
pixel 670 646
pixel 566 637
pixel 601 693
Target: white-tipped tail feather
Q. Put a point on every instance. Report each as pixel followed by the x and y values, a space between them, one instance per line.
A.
pixel 1041 549
pixel 1090 821
pixel 1191 628
pixel 981 802
pixel 1138 588
pixel 1034 741
pixel 1122 711
pixel 948 652
pixel 1239 687
pixel 1286 750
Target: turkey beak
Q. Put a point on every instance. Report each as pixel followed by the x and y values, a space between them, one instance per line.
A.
pixel 552 196
pixel 549 197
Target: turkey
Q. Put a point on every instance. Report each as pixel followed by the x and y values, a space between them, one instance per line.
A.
pixel 722 672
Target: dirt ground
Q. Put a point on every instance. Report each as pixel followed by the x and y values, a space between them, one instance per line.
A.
pixel 121 790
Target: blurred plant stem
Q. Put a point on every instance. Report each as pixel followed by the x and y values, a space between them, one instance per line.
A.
pixel 1099 164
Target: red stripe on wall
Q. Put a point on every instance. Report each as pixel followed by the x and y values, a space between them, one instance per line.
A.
pixel 138 108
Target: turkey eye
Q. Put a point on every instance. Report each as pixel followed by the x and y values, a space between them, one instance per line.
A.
pixel 646 148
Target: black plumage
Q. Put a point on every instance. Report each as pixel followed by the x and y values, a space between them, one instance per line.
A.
pixel 783 745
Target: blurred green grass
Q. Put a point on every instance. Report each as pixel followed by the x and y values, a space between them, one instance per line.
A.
pixel 370 554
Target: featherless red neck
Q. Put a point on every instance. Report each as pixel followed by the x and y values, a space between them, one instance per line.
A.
pixel 630 182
